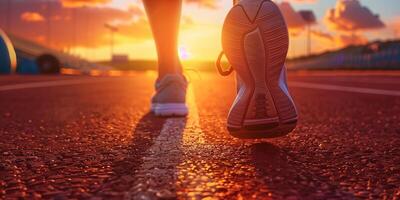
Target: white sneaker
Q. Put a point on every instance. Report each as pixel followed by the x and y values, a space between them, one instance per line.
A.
pixel 255 41
pixel 170 97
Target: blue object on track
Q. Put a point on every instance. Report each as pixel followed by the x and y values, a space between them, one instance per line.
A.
pixel 8 59
pixel 26 65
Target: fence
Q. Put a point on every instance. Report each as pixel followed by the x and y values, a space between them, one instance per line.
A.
pixel 387 57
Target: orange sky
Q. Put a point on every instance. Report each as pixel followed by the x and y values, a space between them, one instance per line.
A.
pixel 77 26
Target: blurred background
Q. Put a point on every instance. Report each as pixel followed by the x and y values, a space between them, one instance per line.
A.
pixel 95 36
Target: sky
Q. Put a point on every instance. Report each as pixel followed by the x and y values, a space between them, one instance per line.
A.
pixel 78 26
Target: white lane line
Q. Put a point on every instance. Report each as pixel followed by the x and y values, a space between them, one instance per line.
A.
pixel 391 81
pixel 42 84
pixel 158 174
pixel 344 88
pixel 347 73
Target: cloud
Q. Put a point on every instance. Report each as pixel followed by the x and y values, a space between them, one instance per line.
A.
pixel 352 39
pixel 293 19
pixel 213 4
pixel 394 25
pixel 135 30
pixel 303 1
pixel 77 26
pixel 81 26
pixel 323 35
pixel 32 17
pixel 350 15
pixel 80 3
pixel 338 39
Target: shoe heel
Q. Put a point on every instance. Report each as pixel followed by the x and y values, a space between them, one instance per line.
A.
pixel 257 50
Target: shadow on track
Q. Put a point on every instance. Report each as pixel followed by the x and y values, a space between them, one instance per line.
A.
pixel 267 156
pixel 282 173
pixel 144 133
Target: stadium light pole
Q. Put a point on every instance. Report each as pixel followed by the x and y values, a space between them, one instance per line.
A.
pixel 48 32
pixel 74 30
pixel 308 39
pixel 309 17
pixel 9 13
pixel 112 30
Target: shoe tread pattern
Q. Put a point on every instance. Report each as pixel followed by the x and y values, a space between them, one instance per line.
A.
pixel 274 34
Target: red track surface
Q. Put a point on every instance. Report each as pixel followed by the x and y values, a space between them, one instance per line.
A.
pixel 95 138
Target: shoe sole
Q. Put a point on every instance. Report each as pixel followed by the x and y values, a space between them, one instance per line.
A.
pixel 256 46
pixel 169 109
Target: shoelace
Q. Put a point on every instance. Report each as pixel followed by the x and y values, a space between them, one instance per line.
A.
pixel 219 65
pixel 189 78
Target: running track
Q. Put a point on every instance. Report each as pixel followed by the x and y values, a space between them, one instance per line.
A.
pixel 92 138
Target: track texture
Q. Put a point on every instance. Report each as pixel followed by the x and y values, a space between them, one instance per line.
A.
pixel 90 141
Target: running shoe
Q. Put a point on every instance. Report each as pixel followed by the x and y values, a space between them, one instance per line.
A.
pixel 255 41
pixel 170 96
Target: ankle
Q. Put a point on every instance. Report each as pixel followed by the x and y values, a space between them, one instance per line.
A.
pixel 170 68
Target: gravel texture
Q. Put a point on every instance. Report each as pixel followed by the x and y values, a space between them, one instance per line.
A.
pixel 98 141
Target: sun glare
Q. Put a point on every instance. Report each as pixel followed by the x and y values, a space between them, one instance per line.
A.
pixel 184 54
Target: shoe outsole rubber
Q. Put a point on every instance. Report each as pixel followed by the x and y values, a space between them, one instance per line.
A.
pixel 170 109
pixel 256 47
